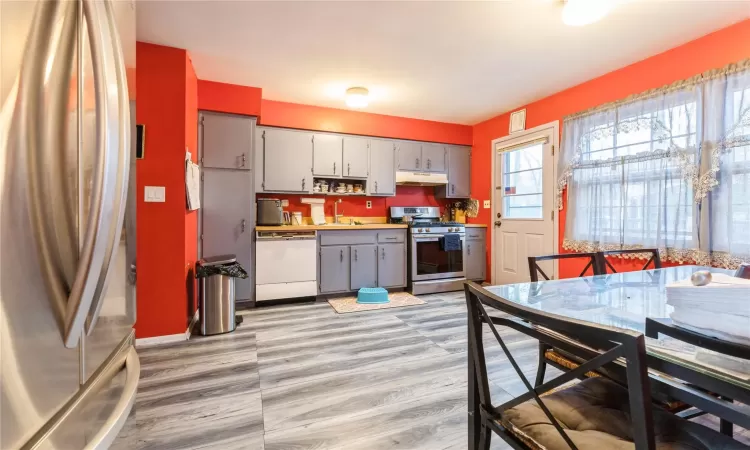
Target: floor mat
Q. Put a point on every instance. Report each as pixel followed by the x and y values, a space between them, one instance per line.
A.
pixel 397 300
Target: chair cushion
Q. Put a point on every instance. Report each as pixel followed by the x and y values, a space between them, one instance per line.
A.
pixel 595 414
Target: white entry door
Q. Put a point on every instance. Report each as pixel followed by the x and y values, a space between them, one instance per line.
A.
pixel 524 205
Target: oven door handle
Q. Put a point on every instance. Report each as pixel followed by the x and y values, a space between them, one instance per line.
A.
pixel 432 239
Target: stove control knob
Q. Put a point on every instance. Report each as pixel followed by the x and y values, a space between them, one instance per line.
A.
pixel 451 229
pixel 426 230
pixel 420 230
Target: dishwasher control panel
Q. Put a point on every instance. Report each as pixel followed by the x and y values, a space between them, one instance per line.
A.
pixel 285 235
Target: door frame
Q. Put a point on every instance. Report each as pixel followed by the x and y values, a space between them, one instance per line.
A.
pixel 555 127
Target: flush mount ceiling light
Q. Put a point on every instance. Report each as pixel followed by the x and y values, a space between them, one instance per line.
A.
pixel 577 13
pixel 357 97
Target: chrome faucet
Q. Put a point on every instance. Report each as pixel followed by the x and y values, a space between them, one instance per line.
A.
pixel 336 214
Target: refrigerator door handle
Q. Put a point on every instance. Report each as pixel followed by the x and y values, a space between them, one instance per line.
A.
pixel 123 168
pixel 70 296
pixel 106 435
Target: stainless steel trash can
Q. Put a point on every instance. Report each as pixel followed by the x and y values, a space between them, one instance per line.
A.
pixel 217 298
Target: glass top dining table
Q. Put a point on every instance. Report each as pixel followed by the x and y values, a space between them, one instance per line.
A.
pixel 625 300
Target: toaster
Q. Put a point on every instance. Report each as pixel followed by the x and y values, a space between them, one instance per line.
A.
pixel 270 212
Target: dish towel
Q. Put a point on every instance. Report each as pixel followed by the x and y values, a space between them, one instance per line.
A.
pixel 450 242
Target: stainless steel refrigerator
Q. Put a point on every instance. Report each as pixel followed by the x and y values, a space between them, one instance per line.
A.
pixel 68 367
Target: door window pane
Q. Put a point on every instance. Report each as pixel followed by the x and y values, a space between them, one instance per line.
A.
pixel 522 183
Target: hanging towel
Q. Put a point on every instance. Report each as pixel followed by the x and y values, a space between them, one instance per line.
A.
pixel 450 242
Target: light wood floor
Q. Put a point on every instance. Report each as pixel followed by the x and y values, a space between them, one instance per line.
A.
pixel 304 377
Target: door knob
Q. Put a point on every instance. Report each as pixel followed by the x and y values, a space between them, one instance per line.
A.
pixel 498 223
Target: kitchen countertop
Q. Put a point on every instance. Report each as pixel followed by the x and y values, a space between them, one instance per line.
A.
pixel 331 226
pixel 476 225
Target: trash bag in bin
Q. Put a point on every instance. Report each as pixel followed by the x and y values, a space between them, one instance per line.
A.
pixel 220 265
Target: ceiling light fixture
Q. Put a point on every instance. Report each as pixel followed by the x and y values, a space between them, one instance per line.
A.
pixel 577 13
pixel 357 97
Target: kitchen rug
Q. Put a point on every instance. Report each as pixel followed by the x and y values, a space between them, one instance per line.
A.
pixel 345 305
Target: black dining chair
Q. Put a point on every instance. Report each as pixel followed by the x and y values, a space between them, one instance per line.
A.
pixel 594 414
pixel 593 263
pixel 654 259
pixel 594 266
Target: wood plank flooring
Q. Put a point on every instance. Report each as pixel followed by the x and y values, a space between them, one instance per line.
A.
pixel 301 376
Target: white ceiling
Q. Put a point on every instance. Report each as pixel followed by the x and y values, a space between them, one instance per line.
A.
pixel 459 61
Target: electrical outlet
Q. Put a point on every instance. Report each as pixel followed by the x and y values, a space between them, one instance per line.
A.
pixel 368 205
pixel 486 204
pixel 284 203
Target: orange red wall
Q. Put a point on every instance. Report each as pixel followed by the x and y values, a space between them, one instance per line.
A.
pixel 306 117
pixel 166 243
pixel 229 98
pixel 715 50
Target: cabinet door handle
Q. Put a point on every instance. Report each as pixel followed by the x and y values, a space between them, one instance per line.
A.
pixel 376 187
pixel 334 168
pixel 303 184
pixel 355 254
pixel 453 188
pixel 244 159
pixel 468 248
pixel 341 255
pixel 391 238
pixel 242 225
pixel 382 254
pixel 416 162
pixel 348 168
pixel 429 163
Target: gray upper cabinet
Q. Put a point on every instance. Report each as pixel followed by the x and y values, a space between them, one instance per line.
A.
pixel 476 262
pixel 364 266
pixel 226 140
pixel 327 155
pixel 258 160
pixel 287 160
pixel 433 158
pixel 459 174
pixel 409 156
pixel 227 221
pixel 391 265
pixel 356 156
pixel 334 269
pixel 382 179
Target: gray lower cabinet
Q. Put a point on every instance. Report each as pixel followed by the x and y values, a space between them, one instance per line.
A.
pixel 227 221
pixel 334 269
pixel 391 265
pixel 327 149
pixel 433 158
pixel 287 160
pixel 409 156
pixel 226 140
pixel 353 259
pixel 356 157
pixel 382 179
pixel 476 261
pixel 364 266
pixel 459 174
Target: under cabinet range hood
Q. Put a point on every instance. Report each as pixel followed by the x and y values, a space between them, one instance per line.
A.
pixel 421 179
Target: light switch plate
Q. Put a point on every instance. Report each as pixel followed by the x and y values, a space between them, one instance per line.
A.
pixel 155 194
pixel 368 205
pixel 486 204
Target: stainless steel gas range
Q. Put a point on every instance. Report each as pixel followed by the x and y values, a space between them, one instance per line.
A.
pixel 431 269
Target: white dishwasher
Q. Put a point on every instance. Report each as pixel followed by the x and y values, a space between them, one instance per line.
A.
pixel 285 264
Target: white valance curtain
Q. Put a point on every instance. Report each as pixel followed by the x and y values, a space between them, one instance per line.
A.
pixel 637 171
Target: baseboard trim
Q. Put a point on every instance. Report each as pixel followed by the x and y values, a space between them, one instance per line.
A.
pixel 193 321
pixel 159 340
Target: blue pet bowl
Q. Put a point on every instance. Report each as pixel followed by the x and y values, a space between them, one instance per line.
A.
pixel 372 296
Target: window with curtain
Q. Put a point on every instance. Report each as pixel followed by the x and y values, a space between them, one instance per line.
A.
pixel 729 171
pixel 637 171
